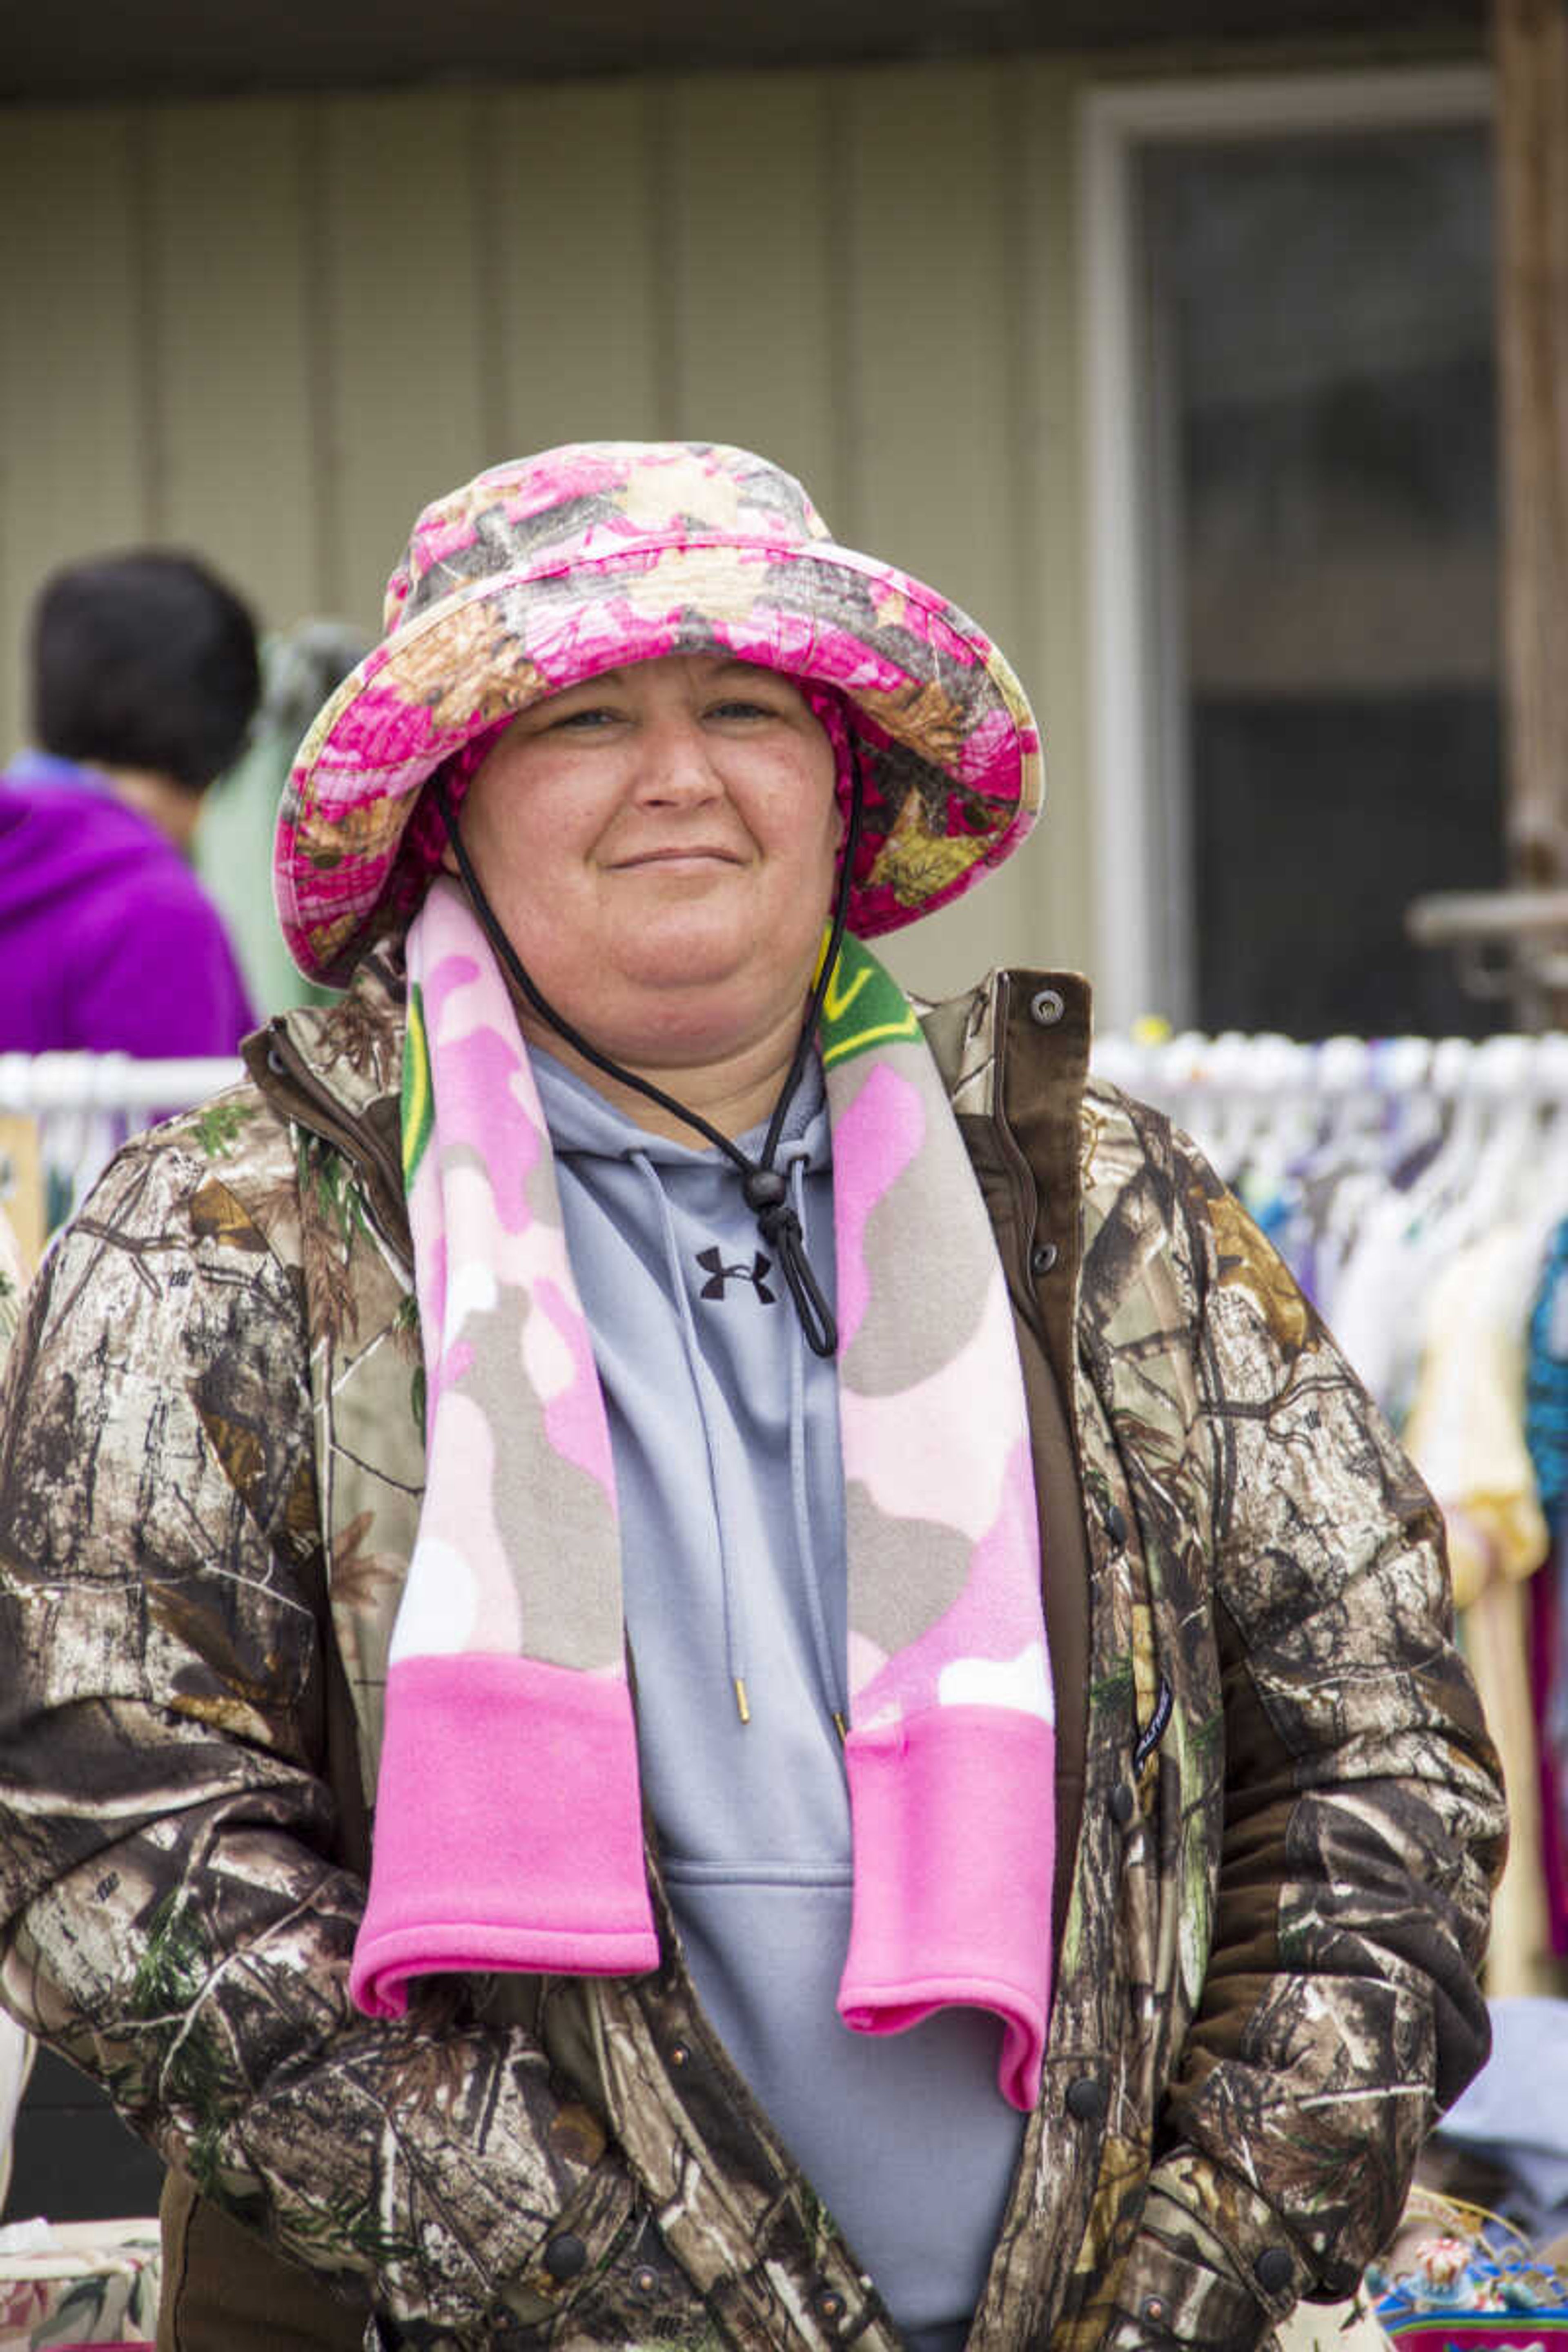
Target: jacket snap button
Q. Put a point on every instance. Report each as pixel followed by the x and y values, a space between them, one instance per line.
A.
pixel 1123 1804
pixel 1046 1007
pixel 645 2282
pixel 565 2256
pixel 830 2303
pixel 1042 1258
pixel 1273 2269
pixel 678 2054
pixel 1154 2309
pixel 1086 2100
pixel 1116 1524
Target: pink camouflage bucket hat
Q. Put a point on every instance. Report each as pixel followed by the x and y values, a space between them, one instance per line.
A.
pixel 549 570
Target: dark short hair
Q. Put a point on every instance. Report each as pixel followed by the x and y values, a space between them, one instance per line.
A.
pixel 143 660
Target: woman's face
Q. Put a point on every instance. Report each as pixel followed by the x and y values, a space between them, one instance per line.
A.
pixel 659 845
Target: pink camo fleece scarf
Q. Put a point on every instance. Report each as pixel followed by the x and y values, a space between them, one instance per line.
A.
pixel 509 1824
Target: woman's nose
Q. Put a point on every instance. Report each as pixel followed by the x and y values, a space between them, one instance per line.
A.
pixel 677 762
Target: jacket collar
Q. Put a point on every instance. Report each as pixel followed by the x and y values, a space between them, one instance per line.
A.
pixel 1014 1054
pixel 337 1070
pixel 1038 1020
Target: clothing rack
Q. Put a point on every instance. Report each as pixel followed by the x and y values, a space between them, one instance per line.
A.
pixel 32 1085
pixel 64 1116
pixel 1231 1090
pixel 1453 1153
pixel 1238 1062
pixel 1229 1062
pixel 1217 1085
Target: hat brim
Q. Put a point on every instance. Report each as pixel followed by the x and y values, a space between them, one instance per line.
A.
pixel 949 746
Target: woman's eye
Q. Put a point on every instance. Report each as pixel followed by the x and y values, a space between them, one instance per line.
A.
pixel 738 708
pixel 585 721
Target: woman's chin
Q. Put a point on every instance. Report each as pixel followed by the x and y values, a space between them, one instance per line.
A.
pixel 702 1002
pixel 684 957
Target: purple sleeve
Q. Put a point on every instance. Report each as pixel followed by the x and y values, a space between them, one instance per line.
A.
pixel 165 987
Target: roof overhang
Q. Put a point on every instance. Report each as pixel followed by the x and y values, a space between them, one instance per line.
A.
pixel 104 49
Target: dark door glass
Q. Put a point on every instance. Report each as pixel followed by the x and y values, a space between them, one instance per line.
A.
pixel 1323 436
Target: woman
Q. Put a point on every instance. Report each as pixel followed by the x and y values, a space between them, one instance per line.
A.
pixel 599 1400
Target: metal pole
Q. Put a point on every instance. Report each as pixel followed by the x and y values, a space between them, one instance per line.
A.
pixel 1532 60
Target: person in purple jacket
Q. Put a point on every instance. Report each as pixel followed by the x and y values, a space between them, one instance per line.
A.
pixel 144 677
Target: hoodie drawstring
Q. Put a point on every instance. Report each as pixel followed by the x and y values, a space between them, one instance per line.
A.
pixel 735 1631
pixel 796 1160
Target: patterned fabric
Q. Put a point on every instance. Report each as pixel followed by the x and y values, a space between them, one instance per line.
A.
pixel 1480 2289
pixel 1466 1428
pixel 13 1283
pixel 1277 1889
pixel 507 1676
pixel 1466 2331
pixel 1546 1380
pixel 546 572
pixel 77 2284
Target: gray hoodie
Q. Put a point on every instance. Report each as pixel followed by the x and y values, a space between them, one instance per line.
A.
pixel 725 1433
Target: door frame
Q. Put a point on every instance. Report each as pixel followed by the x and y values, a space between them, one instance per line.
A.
pixel 1134 687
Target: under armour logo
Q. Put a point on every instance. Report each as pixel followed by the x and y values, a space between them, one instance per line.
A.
pixel 718 1273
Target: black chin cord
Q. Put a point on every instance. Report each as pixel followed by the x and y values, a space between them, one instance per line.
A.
pixel 765 1191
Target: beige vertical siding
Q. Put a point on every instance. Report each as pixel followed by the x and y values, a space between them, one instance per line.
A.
pixel 75 431
pixel 269 330
pixel 228 455
pixel 754 260
pixel 573 266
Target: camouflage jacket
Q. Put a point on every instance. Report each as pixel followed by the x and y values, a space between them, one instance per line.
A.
pixel 1279 1809
pixel 13 1282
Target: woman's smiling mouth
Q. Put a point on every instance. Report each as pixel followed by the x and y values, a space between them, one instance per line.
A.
pixel 696 853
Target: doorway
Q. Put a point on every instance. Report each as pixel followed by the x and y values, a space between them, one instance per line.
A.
pixel 1294 528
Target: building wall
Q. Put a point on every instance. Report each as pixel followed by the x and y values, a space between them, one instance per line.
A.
pixel 269 330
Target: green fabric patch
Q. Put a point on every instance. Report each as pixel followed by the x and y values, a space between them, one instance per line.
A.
pixel 863 1006
pixel 418 1104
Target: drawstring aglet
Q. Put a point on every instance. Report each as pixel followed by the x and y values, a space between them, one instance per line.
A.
pixel 841 1728
pixel 741 1701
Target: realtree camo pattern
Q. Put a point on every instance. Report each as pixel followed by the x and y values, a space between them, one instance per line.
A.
pixel 217 1392
pixel 13 1282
